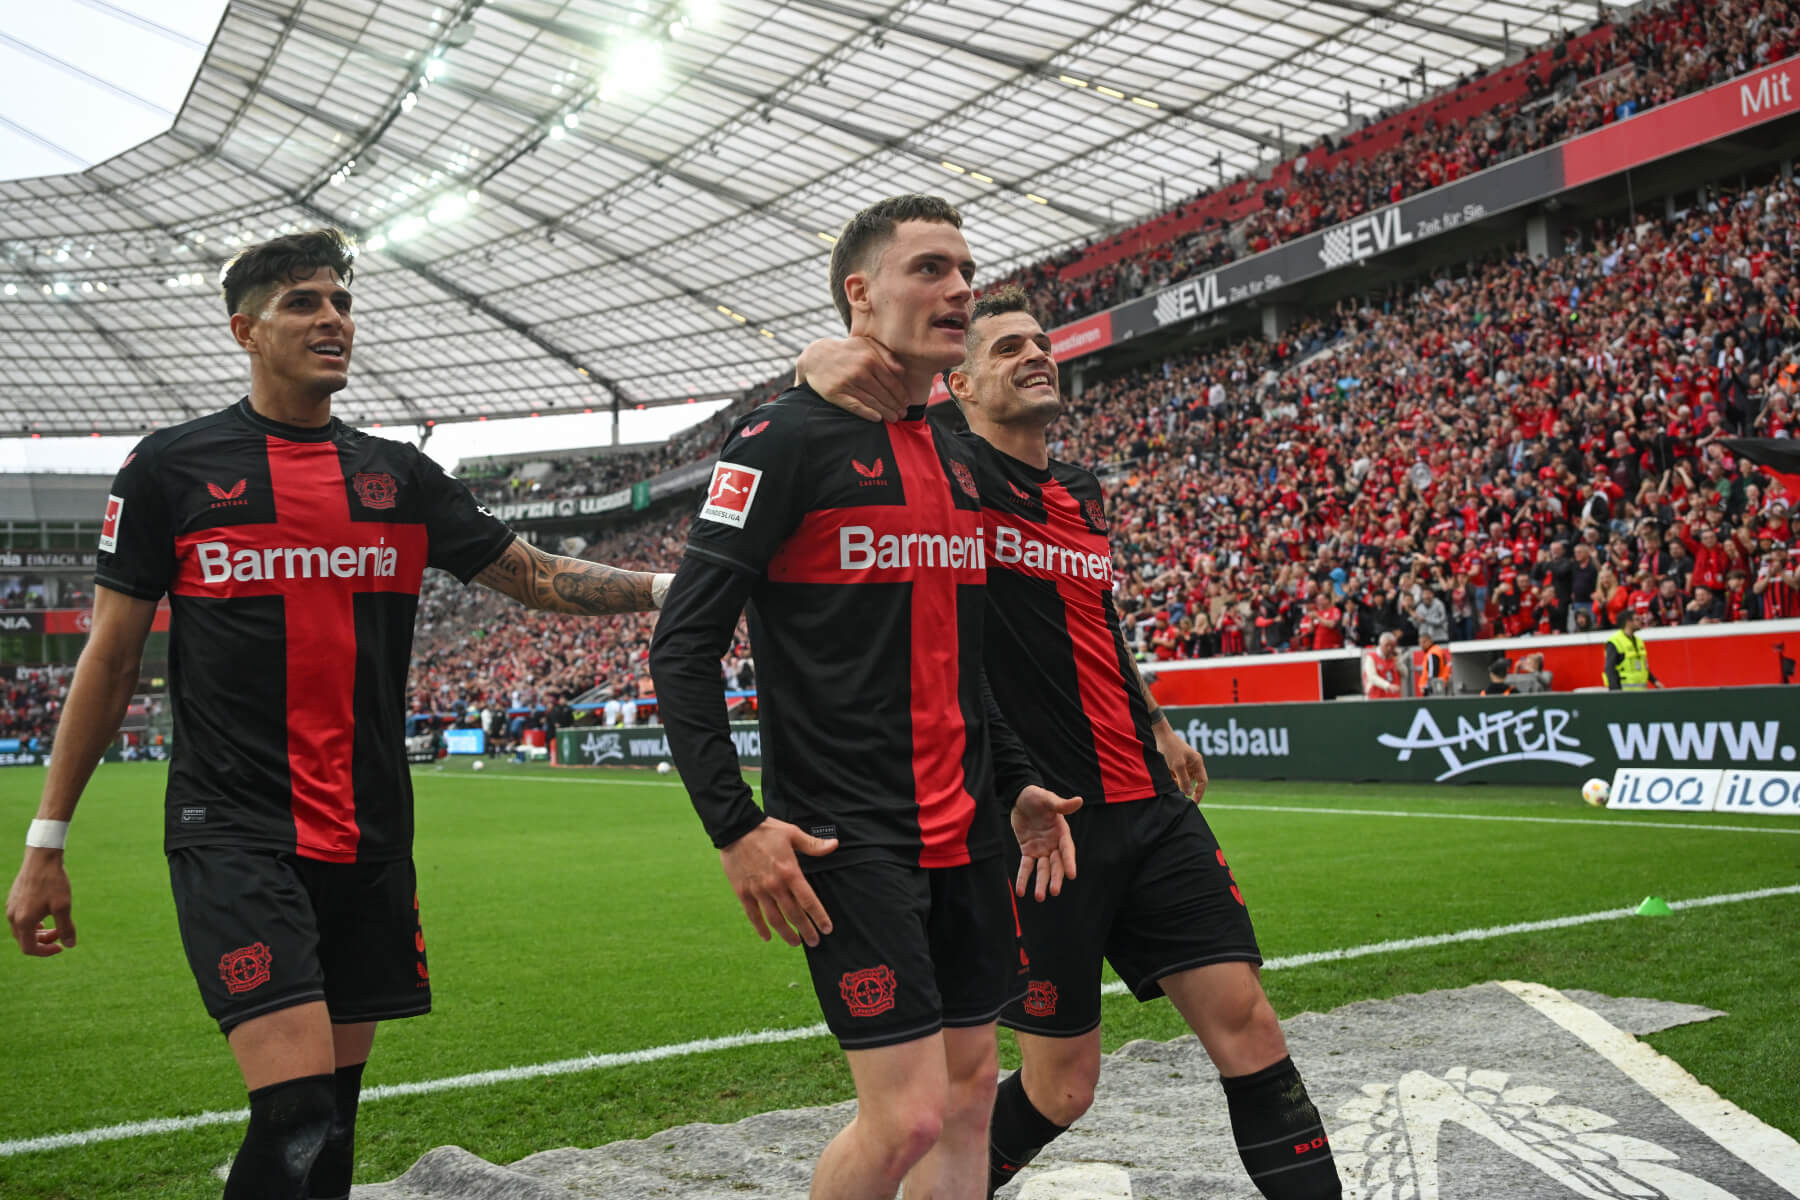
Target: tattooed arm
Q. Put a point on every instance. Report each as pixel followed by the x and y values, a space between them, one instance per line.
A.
pixel 571 585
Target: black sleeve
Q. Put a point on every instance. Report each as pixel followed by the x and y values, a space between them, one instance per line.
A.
pixel 1611 669
pixel 462 537
pixel 137 532
pixel 1013 769
pixel 698 619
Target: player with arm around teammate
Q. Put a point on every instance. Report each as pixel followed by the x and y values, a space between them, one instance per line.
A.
pixel 857 550
pixel 291 547
pixel 1155 897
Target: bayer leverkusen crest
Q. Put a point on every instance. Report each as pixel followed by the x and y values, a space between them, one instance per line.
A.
pixel 868 992
pixel 376 489
pixel 245 968
pixel 1095 514
pixel 965 480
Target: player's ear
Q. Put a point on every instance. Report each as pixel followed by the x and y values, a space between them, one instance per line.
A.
pixel 856 291
pixel 243 328
pixel 961 385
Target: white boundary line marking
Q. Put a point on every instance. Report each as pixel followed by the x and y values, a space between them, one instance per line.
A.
pixel 764 1037
pixel 603 781
pixel 1264 808
pixel 1443 816
pixel 1768 1150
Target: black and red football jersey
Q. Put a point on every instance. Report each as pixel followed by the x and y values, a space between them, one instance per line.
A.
pixel 1056 657
pixel 859 547
pixel 291 558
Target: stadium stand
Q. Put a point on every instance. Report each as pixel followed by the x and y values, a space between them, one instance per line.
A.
pixel 1573 86
pixel 1389 457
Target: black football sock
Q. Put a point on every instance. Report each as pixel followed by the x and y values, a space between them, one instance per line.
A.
pixel 288 1121
pixel 1018 1132
pixel 337 1160
pixel 1279 1135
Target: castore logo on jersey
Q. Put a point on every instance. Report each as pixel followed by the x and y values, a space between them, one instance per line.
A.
pixel 871 476
pixel 228 497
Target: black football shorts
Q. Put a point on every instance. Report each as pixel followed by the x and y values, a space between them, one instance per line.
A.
pixel 1153 895
pixel 914 949
pixel 266 930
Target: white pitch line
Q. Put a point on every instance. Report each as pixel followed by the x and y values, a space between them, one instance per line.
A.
pixel 596 1062
pixel 1443 816
pixel 1757 1145
pixel 563 1066
pixel 541 779
pixel 1271 808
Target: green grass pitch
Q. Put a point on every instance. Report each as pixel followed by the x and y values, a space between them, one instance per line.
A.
pixel 572 912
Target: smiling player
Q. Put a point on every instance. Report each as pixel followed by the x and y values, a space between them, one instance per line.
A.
pixel 291 547
pixel 1155 897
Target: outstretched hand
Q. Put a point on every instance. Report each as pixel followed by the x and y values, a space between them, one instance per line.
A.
pixel 858 374
pixel 1046 847
pixel 41 890
pixel 764 869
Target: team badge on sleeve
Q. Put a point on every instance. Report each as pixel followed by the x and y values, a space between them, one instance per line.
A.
pixel 730 494
pixel 109 525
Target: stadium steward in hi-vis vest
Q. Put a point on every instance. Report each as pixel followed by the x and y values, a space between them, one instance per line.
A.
pixel 1627 665
pixel 291 549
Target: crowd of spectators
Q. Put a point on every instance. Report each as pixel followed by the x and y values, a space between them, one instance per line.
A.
pixel 30 701
pixel 1529 447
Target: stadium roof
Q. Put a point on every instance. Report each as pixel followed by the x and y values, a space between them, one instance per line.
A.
pixel 561 202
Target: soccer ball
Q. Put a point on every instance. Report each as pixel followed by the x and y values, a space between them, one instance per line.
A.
pixel 477 765
pixel 1596 792
pixel 663 768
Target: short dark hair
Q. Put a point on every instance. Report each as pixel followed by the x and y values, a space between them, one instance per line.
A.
pixel 283 260
pixel 863 236
pixel 1008 299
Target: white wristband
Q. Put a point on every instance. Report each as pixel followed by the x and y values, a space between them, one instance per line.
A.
pixel 47 835
pixel 659 588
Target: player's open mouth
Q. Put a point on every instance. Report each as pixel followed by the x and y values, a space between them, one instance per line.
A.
pixel 956 322
pixel 328 349
pixel 1034 379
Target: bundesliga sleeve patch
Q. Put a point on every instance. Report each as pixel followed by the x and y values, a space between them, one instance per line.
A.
pixel 109 525
pixel 730 494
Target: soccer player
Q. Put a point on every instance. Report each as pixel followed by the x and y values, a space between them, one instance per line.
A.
pixel 859 551
pixel 291 548
pixel 1155 897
